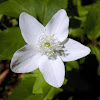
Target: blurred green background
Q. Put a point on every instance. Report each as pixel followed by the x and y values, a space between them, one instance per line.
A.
pixel 82 81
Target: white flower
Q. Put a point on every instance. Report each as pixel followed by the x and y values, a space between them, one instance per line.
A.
pixel 47 47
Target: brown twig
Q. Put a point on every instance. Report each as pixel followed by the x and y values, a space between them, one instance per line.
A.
pixel 3 75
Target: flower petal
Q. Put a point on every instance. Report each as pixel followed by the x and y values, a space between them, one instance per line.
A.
pixel 58 25
pixel 31 28
pixel 53 71
pixel 74 50
pixel 25 60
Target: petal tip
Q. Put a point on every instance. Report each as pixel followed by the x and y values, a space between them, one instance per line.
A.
pixel 23 13
pixel 56 85
pixel 88 50
pixel 62 11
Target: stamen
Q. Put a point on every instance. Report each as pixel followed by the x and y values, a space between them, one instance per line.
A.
pixel 48 45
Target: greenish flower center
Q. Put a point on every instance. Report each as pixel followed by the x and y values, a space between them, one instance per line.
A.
pixel 47 44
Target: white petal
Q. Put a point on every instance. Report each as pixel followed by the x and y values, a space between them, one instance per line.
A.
pixel 58 25
pixel 74 50
pixel 31 28
pixel 53 71
pixel 25 60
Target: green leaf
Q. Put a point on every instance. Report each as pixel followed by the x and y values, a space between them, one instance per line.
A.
pixel 15 7
pixel 38 85
pixel 52 92
pixel 92 24
pixel 65 81
pixel 42 9
pixel 96 52
pixel 34 97
pixel 78 32
pixel 10 41
pixel 82 60
pixel 83 10
pixel 41 86
pixel 71 65
pixel 24 90
pixel 51 7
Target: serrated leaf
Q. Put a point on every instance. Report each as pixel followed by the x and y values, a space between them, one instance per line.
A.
pixel 24 90
pixel 92 24
pixel 71 65
pixel 10 41
pixel 96 52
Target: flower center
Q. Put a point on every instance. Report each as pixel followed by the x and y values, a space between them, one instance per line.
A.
pixel 49 46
